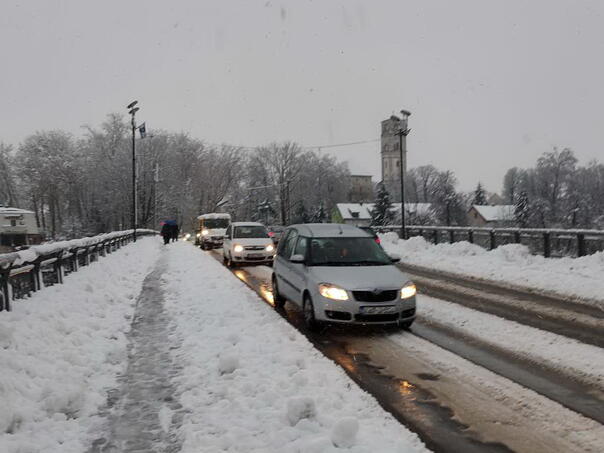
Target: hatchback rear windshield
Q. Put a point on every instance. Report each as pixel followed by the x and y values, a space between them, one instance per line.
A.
pixel 250 232
pixel 362 251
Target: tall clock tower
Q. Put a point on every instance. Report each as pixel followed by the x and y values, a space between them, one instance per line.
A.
pixel 391 156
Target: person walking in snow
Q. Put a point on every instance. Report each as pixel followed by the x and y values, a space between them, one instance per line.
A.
pixel 166 232
pixel 175 231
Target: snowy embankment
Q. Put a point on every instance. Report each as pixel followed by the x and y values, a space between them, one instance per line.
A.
pixel 570 357
pixel 578 278
pixel 252 383
pixel 61 349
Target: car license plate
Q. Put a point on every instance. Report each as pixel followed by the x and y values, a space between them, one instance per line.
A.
pixel 255 255
pixel 378 310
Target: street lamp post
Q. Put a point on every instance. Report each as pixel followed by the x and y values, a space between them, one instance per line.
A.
pixel 403 132
pixel 132 111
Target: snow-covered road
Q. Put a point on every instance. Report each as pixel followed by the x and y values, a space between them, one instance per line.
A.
pixel 161 348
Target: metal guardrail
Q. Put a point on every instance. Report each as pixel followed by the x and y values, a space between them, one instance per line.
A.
pixel 24 272
pixel 546 242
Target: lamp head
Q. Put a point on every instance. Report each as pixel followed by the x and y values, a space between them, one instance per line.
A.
pixel 132 104
pixel 405 114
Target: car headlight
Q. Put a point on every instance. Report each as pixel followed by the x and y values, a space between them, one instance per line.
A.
pixel 198 234
pixel 238 248
pixel 205 232
pixel 270 248
pixel 409 290
pixel 332 292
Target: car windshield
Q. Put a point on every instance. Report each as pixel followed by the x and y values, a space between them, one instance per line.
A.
pixel 347 252
pixel 252 231
pixel 215 223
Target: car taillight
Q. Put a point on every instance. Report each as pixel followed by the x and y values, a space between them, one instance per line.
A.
pixel 271 234
pixel 377 240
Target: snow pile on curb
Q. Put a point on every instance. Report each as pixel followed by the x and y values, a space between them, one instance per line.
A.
pixel 252 383
pixel 61 349
pixel 575 277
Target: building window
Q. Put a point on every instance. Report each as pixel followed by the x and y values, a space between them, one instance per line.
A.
pixel 13 222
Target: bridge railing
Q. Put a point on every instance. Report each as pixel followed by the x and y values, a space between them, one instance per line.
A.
pixel 30 270
pixel 547 242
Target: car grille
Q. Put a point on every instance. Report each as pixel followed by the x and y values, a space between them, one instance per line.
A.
pixel 372 296
pixel 376 318
pixel 254 247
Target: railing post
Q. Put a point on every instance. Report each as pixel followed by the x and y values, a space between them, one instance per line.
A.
pixel 4 292
pixel 37 282
pixel 492 240
pixel 471 236
pixel 435 236
pixel 59 267
pixel 451 236
pixel 517 237
pixel 546 245
pixel 580 244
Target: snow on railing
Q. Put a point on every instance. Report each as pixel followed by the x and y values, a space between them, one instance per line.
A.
pixel 26 271
pixel 543 241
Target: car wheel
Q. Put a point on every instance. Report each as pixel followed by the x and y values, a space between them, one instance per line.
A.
pixel 405 325
pixel 308 310
pixel 230 262
pixel 224 258
pixel 278 299
pixel 203 246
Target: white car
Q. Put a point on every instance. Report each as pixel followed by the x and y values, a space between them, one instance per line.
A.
pixel 247 243
pixel 339 274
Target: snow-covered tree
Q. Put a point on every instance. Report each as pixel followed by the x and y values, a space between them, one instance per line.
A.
pixel 521 210
pixel 382 213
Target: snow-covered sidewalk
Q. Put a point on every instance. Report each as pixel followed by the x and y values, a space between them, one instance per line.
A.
pixel 63 348
pixel 577 278
pixel 252 383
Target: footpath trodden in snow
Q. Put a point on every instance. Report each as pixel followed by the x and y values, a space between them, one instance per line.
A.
pixel 142 411
pixel 252 383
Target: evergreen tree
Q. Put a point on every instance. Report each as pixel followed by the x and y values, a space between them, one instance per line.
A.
pixel 382 210
pixel 319 216
pixel 521 210
pixel 480 196
pixel 301 215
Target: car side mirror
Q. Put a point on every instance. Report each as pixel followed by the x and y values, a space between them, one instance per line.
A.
pixel 394 257
pixel 299 259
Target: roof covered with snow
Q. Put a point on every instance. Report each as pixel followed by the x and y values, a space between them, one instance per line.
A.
pixel 7 210
pixel 214 215
pixel 496 213
pixel 362 211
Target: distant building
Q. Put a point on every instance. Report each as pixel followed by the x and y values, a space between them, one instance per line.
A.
pixel 360 213
pixel 17 227
pixel 391 156
pixel 492 216
pixel 361 189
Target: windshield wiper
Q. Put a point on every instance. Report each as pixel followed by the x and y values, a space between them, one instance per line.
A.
pixel 368 263
pixel 331 263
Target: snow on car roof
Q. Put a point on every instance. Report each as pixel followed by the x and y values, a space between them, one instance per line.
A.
pixel 247 224
pixel 328 230
pixel 214 215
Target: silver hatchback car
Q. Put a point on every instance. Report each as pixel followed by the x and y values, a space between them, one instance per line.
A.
pixel 338 274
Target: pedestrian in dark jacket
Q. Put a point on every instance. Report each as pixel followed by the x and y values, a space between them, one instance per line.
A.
pixel 175 231
pixel 166 232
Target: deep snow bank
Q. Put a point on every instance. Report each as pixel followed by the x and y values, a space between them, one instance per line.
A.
pixel 252 383
pixel 61 349
pixel 575 277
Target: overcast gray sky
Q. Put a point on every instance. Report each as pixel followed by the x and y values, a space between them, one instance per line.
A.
pixel 490 84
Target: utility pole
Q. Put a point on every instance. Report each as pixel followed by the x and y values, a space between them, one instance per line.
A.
pixel 155 181
pixel 403 132
pixel 132 111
